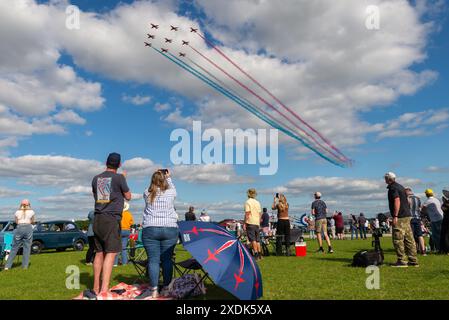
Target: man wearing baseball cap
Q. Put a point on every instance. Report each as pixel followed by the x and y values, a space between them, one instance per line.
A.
pixel 432 207
pixel 403 241
pixel 319 211
pixel 109 190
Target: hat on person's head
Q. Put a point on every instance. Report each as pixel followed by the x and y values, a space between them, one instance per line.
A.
pixel 390 175
pixel 251 193
pixel 25 203
pixel 126 206
pixel 317 194
pixel 113 160
pixel 429 192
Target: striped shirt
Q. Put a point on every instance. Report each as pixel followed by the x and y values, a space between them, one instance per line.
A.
pixel 415 206
pixel 161 213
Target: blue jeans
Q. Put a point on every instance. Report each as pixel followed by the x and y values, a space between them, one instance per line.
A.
pixel 159 243
pixel 362 232
pixel 23 237
pixel 356 231
pixel 436 233
pixel 125 238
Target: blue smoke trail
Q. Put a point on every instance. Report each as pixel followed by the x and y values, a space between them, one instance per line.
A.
pixel 243 104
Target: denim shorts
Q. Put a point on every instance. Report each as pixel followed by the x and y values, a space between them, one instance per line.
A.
pixel 416 228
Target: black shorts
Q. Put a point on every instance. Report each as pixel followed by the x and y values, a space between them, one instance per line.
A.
pixel 416 228
pixel 340 230
pixel 253 232
pixel 107 234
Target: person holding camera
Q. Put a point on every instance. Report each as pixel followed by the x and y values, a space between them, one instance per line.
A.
pixel 283 225
pixel 319 210
pixel 160 230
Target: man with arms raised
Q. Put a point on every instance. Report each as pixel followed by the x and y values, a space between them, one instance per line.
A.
pixel 319 211
pixel 109 190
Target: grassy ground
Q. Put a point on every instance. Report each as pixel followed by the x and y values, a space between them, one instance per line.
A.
pixel 317 276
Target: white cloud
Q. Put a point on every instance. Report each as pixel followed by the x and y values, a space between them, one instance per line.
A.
pixel 422 123
pixel 13 125
pixel 437 169
pixel 353 194
pixel 209 173
pixel 69 116
pixel 160 107
pixel 137 100
pixel 347 71
pixel 11 193
pixel 33 82
pixel 77 190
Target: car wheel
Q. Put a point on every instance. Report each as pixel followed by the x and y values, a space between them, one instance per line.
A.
pixel 36 247
pixel 79 245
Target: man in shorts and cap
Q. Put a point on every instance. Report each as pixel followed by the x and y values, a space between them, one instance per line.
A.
pixel 109 190
pixel 253 212
pixel 319 211
pixel 403 240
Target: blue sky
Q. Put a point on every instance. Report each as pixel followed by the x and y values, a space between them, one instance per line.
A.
pixel 374 111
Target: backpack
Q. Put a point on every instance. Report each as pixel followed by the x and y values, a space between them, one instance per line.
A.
pixel 365 258
pixel 188 285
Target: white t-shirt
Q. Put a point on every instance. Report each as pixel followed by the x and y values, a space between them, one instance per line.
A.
pixel 24 216
pixel 433 208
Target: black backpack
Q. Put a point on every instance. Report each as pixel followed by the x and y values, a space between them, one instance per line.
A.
pixel 365 258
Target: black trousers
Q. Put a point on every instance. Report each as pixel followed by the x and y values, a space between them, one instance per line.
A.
pixel 283 229
pixel 444 239
pixel 90 254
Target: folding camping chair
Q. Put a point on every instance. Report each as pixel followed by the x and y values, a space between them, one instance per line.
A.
pixel 295 236
pixel 138 256
pixel 190 266
pixel 6 248
pixel 2 255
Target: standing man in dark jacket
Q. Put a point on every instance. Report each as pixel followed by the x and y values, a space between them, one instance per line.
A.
pixel 403 241
pixel 190 215
pixel 362 221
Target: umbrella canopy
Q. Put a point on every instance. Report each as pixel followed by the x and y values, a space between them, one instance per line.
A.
pixel 224 257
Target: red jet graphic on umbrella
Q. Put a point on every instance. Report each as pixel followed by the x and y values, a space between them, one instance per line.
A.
pixel 224 257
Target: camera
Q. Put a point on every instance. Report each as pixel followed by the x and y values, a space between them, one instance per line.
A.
pixel 277 195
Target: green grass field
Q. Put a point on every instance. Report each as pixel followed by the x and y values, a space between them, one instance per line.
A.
pixel 317 276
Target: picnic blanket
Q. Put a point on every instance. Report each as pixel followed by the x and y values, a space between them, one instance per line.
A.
pixel 131 292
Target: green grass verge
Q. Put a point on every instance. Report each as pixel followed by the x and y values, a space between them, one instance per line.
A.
pixel 317 276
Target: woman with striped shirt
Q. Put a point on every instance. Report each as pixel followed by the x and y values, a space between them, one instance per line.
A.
pixel 160 229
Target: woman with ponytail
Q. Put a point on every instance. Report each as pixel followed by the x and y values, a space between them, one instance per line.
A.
pixel 23 234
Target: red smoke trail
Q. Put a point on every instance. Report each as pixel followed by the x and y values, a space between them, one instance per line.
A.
pixel 266 102
pixel 240 97
pixel 273 96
